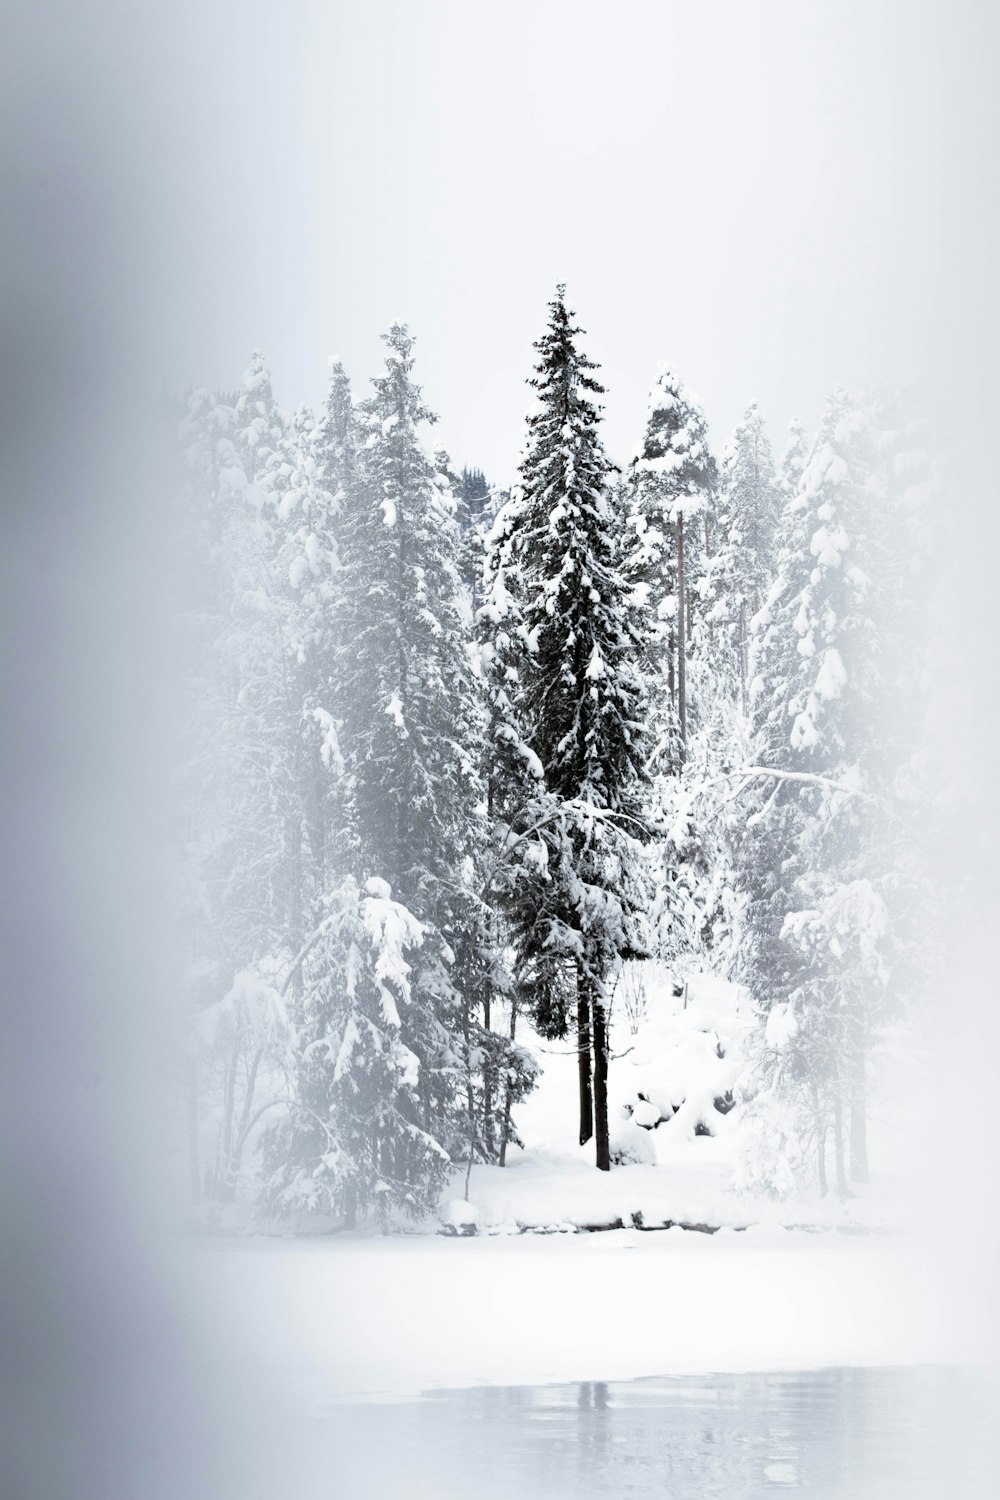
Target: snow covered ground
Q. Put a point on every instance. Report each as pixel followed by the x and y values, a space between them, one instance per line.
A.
pixel 666 1070
pixel 336 1318
pixel 676 1152
pixel 366 1316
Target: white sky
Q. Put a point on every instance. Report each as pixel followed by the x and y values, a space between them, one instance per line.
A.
pixel 772 197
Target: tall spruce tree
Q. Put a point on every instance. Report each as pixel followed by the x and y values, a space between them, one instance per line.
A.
pixel 743 566
pixel 821 853
pixel 579 695
pixel 337 746
pixel 666 547
pixel 337 435
pixel 668 535
pixel 258 422
pixel 475 517
pixel 244 849
pixel 530 869
pixel 409 719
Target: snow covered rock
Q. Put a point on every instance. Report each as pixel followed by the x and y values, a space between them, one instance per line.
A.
pixel 459 1218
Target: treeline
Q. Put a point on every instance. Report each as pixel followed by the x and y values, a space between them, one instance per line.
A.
pixel 455 758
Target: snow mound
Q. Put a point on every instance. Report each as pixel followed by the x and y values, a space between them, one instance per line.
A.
pixel 459 1217
pixel 675 1084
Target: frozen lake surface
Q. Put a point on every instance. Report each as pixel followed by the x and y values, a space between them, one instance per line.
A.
pixel 728 1366
pixel 860 1434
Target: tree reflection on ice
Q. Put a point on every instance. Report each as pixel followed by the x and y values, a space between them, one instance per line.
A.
pixel 860 1434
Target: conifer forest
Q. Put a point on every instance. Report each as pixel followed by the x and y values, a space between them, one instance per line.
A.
pixel 472 768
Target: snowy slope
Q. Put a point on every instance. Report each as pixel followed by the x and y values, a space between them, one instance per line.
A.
pixel 672 1147
pixel 675 1136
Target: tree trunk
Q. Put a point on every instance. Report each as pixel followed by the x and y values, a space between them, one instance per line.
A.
pixel 223 1182
pixel 672 668
pixel 246 1117
pixel 744 663
pixel 859 1123
pixel 820 1119
pixel 601 1085
pixel 583 1057
pixel 505 1126
pixel 681 638
pixel 488 1138
pixel 843 1191
pixel 470 1093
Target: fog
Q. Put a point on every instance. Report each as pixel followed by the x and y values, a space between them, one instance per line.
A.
pixel 771 198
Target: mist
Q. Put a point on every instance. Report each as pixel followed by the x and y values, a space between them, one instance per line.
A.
pixel 772 200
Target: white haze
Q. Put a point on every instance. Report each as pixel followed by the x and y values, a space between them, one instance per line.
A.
pixel 771 197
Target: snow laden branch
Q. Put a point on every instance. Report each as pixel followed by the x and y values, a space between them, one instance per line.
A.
pixel 810 777
pixel 574 812
pixel 748 774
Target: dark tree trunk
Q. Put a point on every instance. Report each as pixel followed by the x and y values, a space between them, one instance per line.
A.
pixel 488 1136
pixel 601 1085
pixel 505 1125
pixel 583 1057
pixel 681 638
pixel 672 668
pixel 470 1093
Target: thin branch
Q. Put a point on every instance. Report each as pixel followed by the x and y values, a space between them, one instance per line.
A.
pixel 305 951
pixel 271 1104
pixel 811 777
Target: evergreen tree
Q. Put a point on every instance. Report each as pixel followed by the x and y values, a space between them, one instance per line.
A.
pixel 338 742
pixel 475 498
pixel 408 720
pixel 337 436
pixel 351 1139
pixel 820 856
pixel 793 462
pixel 666 554
pixel 668 536
pixel 579 696
pixel 259 424
pixel 407 695
pixel 475 511
pixel 743 567
pixel 529 871
pixel 243 882
pixel 306 568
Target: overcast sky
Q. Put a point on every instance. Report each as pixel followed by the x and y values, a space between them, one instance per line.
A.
pixel 770 197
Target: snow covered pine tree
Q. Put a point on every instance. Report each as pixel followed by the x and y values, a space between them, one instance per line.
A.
pixel 410 720
pixel 820 860
pixel 672 480
pixel 746 527
pixel 577 694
